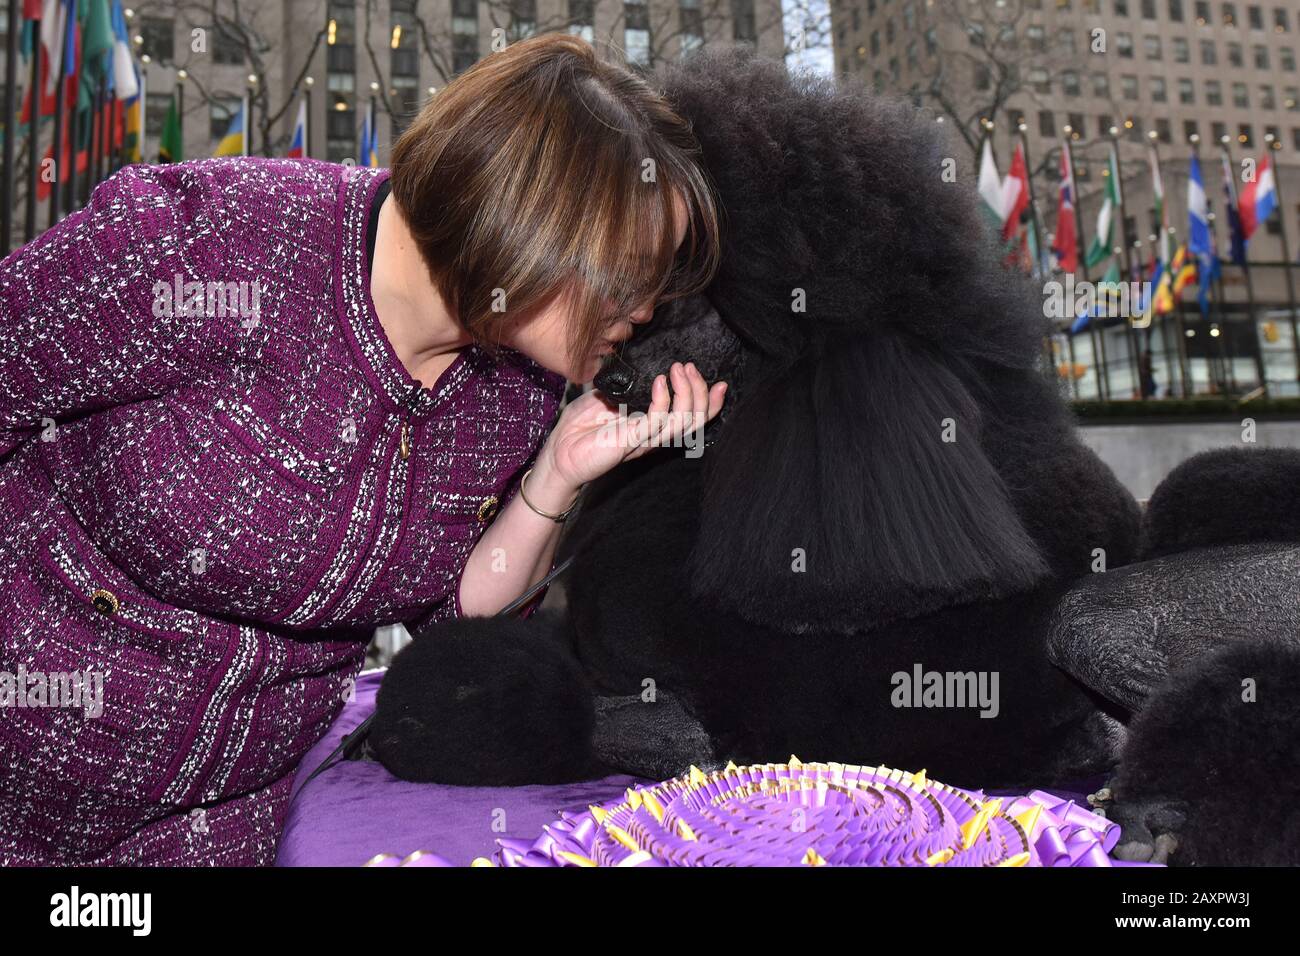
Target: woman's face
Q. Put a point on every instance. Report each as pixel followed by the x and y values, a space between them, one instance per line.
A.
pixel 544 336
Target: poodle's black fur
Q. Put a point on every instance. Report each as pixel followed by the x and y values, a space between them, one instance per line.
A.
pixel 896 483
pixel 1225 496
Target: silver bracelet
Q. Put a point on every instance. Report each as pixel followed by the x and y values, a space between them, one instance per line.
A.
pixel 523 493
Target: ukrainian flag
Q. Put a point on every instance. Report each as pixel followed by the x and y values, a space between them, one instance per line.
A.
pixel 232 144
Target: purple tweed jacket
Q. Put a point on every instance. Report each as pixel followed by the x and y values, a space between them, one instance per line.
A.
pixel 216 479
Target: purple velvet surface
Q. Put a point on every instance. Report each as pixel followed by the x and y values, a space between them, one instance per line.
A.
pixel 357 809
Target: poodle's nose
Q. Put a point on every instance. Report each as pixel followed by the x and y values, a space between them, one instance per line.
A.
pixel 616 381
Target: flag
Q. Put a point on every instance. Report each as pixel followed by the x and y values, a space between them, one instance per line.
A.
pixel 298 145
pixel 96 44
pixel 1064 244
pixel 170 147
pixel 133 134
pixel 369 139
pixel 1015 194
pixel 125 85
pixel 1161 251
pixel 1258 199
pixel 1198 236
pixel 990 187
pixel 1236 237
pixel 233 143
pixel 1199 243
pixel 1103 240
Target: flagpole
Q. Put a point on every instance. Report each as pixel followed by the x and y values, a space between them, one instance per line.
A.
pixel 60 95
pixel 248 99
pixel 307 83
pixel 36 98
pixel 1158 247
pixel 248 114
pixel 11 126
pixel 1081 257
pixel 1225 146
pixel 1271 144
pixel 1128 256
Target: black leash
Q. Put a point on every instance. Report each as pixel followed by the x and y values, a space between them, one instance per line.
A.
pixel 352 742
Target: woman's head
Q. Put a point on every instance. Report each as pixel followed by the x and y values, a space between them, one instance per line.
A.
pixel 555 199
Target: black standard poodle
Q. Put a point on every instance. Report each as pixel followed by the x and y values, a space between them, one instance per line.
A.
pixel 894 548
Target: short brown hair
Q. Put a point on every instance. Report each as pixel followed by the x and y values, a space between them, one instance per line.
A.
pixel 541 166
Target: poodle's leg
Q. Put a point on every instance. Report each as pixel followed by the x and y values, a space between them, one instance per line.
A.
pixel 1210 773
pixel 488 701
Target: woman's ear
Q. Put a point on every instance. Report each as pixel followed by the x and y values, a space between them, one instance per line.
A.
pixel 851 489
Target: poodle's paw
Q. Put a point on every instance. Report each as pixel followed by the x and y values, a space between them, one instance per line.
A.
pixel 658 739
pixel 487 701
pixel 1150 830
pixel 1210 772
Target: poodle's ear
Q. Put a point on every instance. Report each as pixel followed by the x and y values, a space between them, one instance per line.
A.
pixel 851 490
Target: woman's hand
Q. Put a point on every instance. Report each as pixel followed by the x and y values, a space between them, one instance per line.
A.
pixel 591 436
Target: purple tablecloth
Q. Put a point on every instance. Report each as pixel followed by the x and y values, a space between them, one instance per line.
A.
pixel 357 809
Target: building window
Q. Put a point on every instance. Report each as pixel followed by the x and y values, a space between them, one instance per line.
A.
pixel 1234 55
pixel 1162 131
pixel 1182 53
pixel 227 46
pixel 1124 44
pixel 1267 101
pixel 464 34
pixel 1218 131
pixel 1202 12
pixel 1287 56
pixel 1148 9
pixel 1159 94
pixel 1104 122
pixel 1213 93
pixel 1040 80
pixel 1037 38
pixel 1229 15
pixel 1128 84
pixel 157 34
pixel 1121 8
pixel 582 20
pixel 1176 11
pixel 1291 99
pixel 1152 47
pixel 1244 134
pixel 1101 85
pixel 1208 56
pixel 693 26
pixel 1240 96
pixel 1190 128
pixel 1255 17
pixel 1070 83
pixel 406 102
pixel 1046 123
pixel 742 15
pixel 523 19
pixel 1281 21
pixel 1186 91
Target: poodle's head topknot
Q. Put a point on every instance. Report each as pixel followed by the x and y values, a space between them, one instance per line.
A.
pixel 837 215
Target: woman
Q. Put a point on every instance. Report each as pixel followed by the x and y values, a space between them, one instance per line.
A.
pixel 231 444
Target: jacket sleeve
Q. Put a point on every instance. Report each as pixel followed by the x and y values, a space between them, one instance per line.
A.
pixel 82 325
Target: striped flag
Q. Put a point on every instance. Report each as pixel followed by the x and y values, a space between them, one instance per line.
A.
pixel 298 145
pixel 1064 244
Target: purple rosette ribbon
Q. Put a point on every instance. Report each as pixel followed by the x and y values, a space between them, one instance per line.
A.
pixel 818 814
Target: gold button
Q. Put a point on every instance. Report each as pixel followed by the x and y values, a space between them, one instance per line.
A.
pixel 488 508
pixel 105 602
